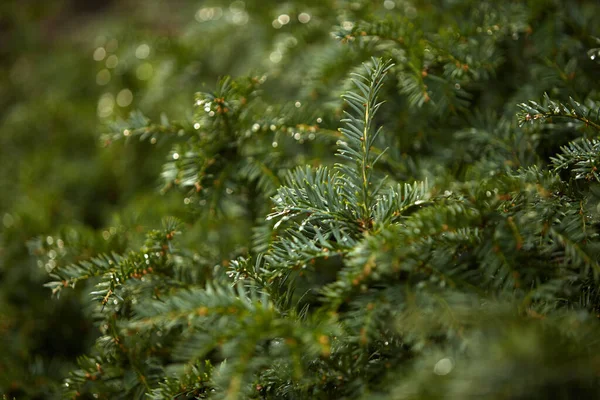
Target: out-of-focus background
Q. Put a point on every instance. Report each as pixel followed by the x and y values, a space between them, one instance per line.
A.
pixel 66 68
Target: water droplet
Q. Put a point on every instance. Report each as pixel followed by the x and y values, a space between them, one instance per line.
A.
pixel 304 18
pixel 443 366
pixel 209 13
pixel 99 54
pixel 283 19
pixel 50 265
pixel 175 156
pixel 240 17
pixel 275 56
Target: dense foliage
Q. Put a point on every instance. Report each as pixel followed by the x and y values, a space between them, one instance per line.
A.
pixel 311 199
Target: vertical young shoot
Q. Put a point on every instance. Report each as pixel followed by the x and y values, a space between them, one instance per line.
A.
pixel 360 137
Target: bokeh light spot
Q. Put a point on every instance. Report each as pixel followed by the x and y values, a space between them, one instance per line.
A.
pixel 103 77
pixel 99 54
pixel 124 98
pixel 143 51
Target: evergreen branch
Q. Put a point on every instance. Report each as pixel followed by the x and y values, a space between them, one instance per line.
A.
pixel 576 252
pixel 336 207
pixel 194 381
pixel 425 244
pixel 313 194
pixel 346 196
pixel 397 203
pixel 253 169
pixel 533 111
pixel 582 155
pixel 302 248
pixel 114 270
pixel 358 134
pixel 138 125
pixel 251 328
